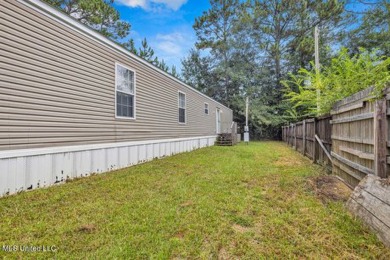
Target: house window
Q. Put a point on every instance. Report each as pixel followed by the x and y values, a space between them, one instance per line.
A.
pixel 206 108
pixel 125 92
pixel 182 107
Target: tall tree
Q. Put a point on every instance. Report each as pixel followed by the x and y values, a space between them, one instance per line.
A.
pixel 246 48
pixel 281 27
pixel 197 72
pixel 162 65
pixel 214 32
pixel 100 15
pixel 373 32
pixel 130 45
pixel 174 72
pixel 146 52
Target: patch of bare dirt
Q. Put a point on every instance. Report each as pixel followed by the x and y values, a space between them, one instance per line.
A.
pixel 223 254
pixel 240 229
pixel 87 228
pixel 329 188
pixel 179 235
pixel 288 161
pixel 250 183
pixel 187 204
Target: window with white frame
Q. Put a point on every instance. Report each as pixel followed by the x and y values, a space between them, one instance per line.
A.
pixel 125 92
pixel 206 108
pixel 182 107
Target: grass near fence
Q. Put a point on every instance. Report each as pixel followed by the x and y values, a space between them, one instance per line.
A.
pixel 228 202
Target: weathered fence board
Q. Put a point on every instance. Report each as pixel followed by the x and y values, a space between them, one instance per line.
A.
pixel 355 141
pixel 301 136
pixel 359 138
pixel 323 147
pixel 360 154
pixel 380 138
pixel 356 135
pixel 352 164
pixel 352 118
pixel 347 108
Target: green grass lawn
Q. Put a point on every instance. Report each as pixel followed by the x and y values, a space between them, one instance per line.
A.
pixel 244 201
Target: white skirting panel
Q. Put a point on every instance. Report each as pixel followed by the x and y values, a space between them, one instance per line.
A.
pixel 33 168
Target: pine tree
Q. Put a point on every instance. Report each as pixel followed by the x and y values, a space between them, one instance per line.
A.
pixel 129 45
pixel 373 31
pixel 197 72
pixel 100 15
pixel 214 30
pixel 173 72
pixel 146 52
pixel 162 65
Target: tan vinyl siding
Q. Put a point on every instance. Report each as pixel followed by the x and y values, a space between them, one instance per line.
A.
pixel 57 87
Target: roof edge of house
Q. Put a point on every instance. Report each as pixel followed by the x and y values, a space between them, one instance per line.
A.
pixel 72 23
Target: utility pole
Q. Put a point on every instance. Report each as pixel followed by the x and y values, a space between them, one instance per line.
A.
pixel 246 113
pixel 317 61
pixel 316 48
pixel 246 130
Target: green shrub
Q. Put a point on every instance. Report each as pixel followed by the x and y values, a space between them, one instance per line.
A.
pixel 314 94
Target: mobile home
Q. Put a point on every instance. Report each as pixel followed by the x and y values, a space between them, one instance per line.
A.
pixel 73 102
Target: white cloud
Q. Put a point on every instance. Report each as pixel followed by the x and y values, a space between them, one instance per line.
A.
pixel 172 4
pixel 172 37
pixel 148 4
pixel 170 48
pixel 173 47
pixel 134 3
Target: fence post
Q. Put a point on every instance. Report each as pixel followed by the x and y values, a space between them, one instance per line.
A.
pixel 288 135
pixel 286 127
pixel 314 140
pixel 295 136
pixel 380 138
pixel 304 137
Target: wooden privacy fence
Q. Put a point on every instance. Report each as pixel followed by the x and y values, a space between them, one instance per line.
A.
pixel 312 138
pixel 352 140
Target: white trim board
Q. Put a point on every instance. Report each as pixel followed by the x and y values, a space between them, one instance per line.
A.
pixel 76 148
pixel 73 24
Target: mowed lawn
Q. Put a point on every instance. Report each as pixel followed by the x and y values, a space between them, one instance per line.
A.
pixel 244 202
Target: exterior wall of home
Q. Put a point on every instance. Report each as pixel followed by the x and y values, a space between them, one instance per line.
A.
pixel 57 88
